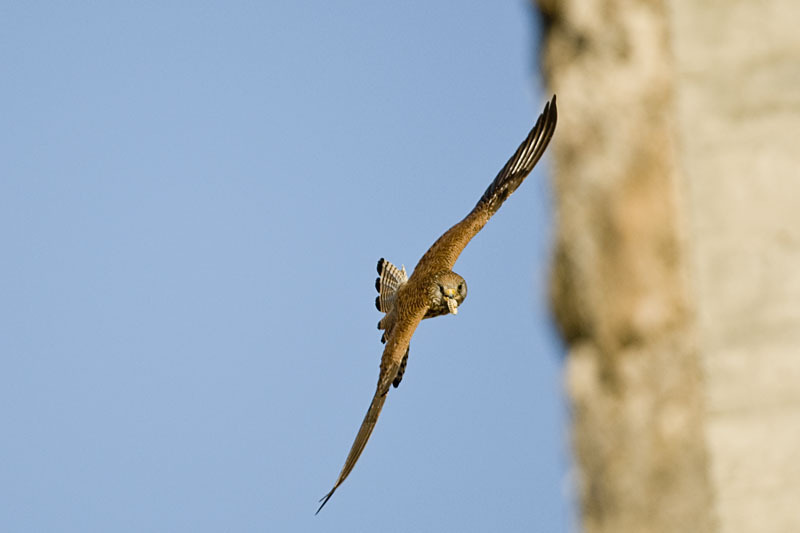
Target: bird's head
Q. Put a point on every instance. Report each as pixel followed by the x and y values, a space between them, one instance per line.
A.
pixel 449 291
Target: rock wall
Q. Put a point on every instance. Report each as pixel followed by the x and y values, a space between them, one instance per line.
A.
pixel 676 274
pixel 738 123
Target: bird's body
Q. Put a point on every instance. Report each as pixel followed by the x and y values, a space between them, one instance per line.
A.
pixel 433 288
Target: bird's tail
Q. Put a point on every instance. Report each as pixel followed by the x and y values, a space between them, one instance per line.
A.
pixel 387 283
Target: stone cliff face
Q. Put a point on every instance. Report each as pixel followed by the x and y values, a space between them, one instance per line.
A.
pixel 676 276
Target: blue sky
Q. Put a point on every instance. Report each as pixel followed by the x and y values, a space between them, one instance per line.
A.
pixel 193 198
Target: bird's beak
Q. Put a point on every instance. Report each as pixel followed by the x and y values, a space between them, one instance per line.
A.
pixel 452 304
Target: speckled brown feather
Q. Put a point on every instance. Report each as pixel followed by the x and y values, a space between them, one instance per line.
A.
pixel 412 301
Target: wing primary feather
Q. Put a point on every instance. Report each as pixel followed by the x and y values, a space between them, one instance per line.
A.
pixel 364 432
pixel 522 162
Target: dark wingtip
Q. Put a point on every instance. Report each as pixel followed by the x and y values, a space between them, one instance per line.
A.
pixel 380 265
pixel 324 500
pixel 378 302
pixel 378 284
pixel 553 105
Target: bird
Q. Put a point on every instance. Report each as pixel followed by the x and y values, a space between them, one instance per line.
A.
pixel 433 289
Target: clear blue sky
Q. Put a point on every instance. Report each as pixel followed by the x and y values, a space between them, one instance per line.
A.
pixel 192 202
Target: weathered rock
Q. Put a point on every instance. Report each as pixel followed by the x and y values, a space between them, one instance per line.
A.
pixel 676 278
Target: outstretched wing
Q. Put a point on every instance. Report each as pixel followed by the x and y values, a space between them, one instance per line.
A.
pixel 396 348
pixel 364 433
pixel 445 251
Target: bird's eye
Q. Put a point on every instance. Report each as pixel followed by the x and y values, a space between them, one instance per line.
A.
pixel 460 287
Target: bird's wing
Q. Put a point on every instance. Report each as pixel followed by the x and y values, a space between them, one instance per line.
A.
pixel 396 348
pixel 445 251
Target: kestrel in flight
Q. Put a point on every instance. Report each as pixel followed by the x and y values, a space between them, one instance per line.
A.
pixel 433 288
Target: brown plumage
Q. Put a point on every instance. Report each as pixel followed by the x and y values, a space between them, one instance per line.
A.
pixel 434 289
